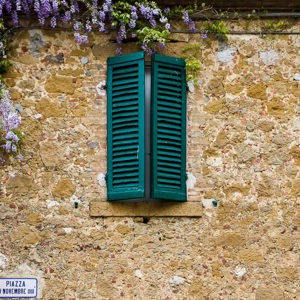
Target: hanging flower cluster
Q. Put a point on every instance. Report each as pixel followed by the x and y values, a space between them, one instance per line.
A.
pixel 143 20
pixel 10 120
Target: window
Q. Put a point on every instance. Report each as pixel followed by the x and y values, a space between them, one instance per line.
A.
pixel 146 153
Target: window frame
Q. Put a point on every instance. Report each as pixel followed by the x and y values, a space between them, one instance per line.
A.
pixel 147 174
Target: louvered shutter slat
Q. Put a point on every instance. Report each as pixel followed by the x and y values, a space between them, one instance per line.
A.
pixel 125 127
pixel 168 179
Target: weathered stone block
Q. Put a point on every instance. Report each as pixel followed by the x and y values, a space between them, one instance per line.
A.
pixel 250 256
pixel 276 108
pixel 26 59
pixel 70 72
pixel 257 91
pixel 244 152
pixel 123 229
pixel 215 106
pixel 34 218
pixel 269 293
pixel 48 108
pixel 236 188
pixel 265 125
pixel 51 154
pixel 295 152
pixel 60 84
pixel 231 239
pixel 64 189
pixel 20 185
pixel 296 189
pixel 215 87
pixel 234 88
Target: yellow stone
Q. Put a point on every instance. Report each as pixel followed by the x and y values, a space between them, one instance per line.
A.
pixel 26 235
pixel 222 139
pixel 295 152
pixel 64 189
pixel 269 293
pixel 276 108
pixel 236 188
pixel 60 84
pixel 49 108
pixel 296 188
pixel 51 154
pixel 78 52
pixel 215 106
pixel 15 95
pixel 34 218
pixel 26 59
pixel 123 229
pixel 197 289
pixel 265 126
pixel 21 231
pixel 250 256
pixel 31 239
pixel 289 272
pixel 215 87
pixel 12 74
pixel 20 185
pixel 234 88
pixel 70 72
pixel 231 239
pixel 258 91
pixel 63 211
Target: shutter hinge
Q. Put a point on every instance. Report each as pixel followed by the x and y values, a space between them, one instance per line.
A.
pixel 186 176
pixel 106 177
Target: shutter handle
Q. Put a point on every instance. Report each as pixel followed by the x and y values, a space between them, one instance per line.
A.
pixel 137 153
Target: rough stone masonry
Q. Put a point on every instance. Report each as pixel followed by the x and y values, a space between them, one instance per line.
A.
pixel 243 153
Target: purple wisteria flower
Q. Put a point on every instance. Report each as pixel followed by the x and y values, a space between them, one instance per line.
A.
pixel 192 26
pixel 12 136
pixel 121 34
pixel 53 22
pixel 204 34
pixel 77 26
pixel 118 51
pixel 102 15
pixel 81 38
pixel 166 10
pixel 132 24
pixel 88 27
pixel 187 20
pixel 134 14
pixel 185 16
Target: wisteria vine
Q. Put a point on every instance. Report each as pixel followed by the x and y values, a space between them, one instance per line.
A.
pixel 130 18
pixel 142 20
pixel 9 122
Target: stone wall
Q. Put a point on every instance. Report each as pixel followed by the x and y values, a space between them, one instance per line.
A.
pixel 243 152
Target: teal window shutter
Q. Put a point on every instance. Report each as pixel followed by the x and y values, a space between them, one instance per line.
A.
pixel 168 163
pixel 125 126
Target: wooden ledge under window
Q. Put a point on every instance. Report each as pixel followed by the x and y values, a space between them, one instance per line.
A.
pixel 145 209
